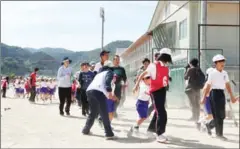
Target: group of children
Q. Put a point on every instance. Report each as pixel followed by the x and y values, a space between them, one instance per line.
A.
pixel 213 99
pixel 45 88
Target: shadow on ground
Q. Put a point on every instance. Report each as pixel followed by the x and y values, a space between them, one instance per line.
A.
pixel 189 143
pixel 144 126
pixel 46 104
pixel 130 139
pixel 75 117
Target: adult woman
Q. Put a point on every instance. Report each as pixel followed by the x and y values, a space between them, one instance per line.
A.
pixel 64 77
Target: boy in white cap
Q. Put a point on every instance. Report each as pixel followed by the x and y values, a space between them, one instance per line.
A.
pixel 217 81
pixel 159 76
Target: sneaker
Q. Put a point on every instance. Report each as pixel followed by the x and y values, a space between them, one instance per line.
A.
pixel 222 138
pixel 161 139
pixel 208 129
pixel 87 133
pixel 68 113
pixel 111 137
pixel 134 129
pixel 62 113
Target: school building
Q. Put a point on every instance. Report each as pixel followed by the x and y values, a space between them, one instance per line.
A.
pixel 175 24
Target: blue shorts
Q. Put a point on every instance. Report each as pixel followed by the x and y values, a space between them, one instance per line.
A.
pixel 51 91
pixel 207 106
pixel 110 105
pixel 17 90
pixel 38 91
pixel 44 90
pixel 142 108
pixel 21 90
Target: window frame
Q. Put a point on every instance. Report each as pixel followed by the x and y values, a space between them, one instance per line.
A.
pixel 183 29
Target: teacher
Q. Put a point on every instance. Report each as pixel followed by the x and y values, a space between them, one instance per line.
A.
pixel 64 78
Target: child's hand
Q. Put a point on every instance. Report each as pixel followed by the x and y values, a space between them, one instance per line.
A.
pixel 115 98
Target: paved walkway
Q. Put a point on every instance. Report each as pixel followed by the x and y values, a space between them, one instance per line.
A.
pixel 39 125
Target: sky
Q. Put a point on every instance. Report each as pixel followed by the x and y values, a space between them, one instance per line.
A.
pixel 74 25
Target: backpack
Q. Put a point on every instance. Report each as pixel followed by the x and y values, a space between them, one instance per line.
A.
pixel 199 81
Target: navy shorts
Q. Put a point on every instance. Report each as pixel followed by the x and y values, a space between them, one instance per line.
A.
pixel 44 90
pixel 38 91
pixel 207 106
pixel 51 91
pixel 17 90
pixel 142 108
pixel 21 90
pixel 110 105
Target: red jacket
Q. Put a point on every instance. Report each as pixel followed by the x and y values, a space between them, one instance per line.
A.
pixel 33 79
pixel 74 87
pixel 161 78
pixel 4 83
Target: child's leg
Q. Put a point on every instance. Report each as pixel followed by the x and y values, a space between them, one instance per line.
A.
pixel 110 114
pixel 140 121
pixel 110 104
pixel 142 109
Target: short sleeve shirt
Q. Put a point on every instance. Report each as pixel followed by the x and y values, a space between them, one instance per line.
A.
pixel 151 69
pixel 98 66
pixel 218 79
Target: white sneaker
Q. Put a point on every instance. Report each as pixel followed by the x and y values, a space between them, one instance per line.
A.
pixel 161 139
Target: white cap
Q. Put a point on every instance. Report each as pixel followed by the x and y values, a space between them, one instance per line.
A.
pixel 166 51
pixel 209 70
pixel 108 63
pixel 218 57
pixel 147 75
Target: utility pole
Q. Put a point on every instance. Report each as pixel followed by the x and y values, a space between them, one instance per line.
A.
pixel 102 15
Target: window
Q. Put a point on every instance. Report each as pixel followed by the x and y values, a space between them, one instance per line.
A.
pixel 183 29
pixel 167 9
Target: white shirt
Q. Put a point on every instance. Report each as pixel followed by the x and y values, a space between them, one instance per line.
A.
pixel 77 74
pixel 143 89
pixel 218 79
pixel 37 84
pixel 22 86
pixel 64 77
pixel 17 85
pixel 98 66
pixel 51 85
pixel 43 84
pixel 98 83
pixel 152 70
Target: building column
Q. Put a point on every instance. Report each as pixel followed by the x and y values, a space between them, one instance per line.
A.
pixel 194 18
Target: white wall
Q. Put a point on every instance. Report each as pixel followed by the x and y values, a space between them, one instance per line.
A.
pixel 180 15
pixel 226 38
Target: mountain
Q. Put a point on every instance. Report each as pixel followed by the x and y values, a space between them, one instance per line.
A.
pixel 21 61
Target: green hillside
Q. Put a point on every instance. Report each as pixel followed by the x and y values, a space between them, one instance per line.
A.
pixel 21 61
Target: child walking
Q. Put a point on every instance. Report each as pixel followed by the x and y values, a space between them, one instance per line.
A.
pixel 207 113
pixel 142 102
pixel 74 89
pixel 159 73
pixel 110 102
pixel 217 81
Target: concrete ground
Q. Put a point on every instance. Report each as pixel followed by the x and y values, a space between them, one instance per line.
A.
pixel 39 125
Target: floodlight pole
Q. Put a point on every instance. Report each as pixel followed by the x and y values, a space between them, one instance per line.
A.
pixel 102 15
